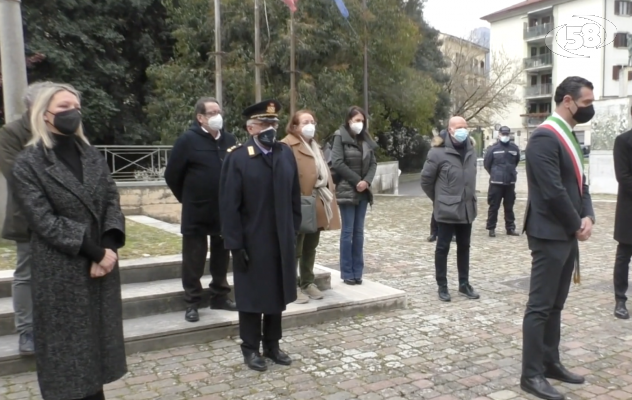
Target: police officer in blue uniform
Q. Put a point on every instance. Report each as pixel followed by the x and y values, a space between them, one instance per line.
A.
pixel 260 205
pixel 500 162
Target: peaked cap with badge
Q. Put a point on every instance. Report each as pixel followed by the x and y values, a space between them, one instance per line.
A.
pixel 267 110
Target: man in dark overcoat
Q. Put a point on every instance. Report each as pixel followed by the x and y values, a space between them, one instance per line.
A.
pixel 623 221
pixel 192 174
pixel 260 204
pixel 559 213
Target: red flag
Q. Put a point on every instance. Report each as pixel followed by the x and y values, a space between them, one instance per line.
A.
pixel 291 4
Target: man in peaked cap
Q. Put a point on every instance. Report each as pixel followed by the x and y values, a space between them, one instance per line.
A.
pixel 260 204
pixel 500 162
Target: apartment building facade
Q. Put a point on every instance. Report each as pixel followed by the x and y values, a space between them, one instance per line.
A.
pixel 547 36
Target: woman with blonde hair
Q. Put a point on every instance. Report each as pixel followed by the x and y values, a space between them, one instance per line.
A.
pixel 74 216
pixel 315 179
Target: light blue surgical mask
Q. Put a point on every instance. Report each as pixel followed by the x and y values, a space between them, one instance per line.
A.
pixel 461 134
pixel 504 139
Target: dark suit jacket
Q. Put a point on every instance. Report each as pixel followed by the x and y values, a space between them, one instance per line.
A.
pixel 623 170
pixel 555 206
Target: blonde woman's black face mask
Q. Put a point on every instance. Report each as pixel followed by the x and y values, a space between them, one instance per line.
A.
pixel 67 122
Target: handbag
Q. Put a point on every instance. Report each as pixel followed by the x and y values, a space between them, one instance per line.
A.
pixel 309 220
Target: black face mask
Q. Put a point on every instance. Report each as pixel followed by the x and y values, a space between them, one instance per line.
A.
pixel 584 114
pixel 267 137
pixel 67 122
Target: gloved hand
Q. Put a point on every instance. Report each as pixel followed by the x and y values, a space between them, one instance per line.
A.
pixel 240 260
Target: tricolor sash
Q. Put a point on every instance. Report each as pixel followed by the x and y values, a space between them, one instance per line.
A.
pixel 569 142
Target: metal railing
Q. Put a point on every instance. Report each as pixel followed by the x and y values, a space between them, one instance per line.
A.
pixel 534 121
pixel 538 90
pixel 543 60
pixel 136 163
pixel 538 30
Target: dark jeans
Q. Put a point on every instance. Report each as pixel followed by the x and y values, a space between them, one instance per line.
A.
pixel 621 270
pixel 505 195
pixel 194 250
pixel 433 225
pixel 306 254
pixel 352 240
pixel 551 274
pixel 463 234
pixel 252 332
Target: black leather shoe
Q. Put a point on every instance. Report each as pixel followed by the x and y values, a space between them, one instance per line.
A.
pixel 358 281
pixel 432 238
pixel 444 295
pixel 468 291
pixel 349 281
pixel 512 232
pixel 278 356
pixel 540 387
pixel 223 304
pixel 256 362
pixel 620 311
pixel 492 233
pixel 558 372
pixel 26 345
pixel 192 314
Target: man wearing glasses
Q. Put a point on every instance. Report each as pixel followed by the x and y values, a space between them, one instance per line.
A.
pixel 192 173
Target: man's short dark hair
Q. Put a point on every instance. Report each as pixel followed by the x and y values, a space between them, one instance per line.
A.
pixel 571 86
pixel 200 106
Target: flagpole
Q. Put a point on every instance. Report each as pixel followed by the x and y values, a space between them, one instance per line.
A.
pixel 292 66
pixel 218 54
pixel 366 64
pixel 257 54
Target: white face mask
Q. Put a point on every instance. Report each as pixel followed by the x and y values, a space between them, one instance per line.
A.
pixel 308 131
pixel 356 127
pixel 216 122
pixel 504 139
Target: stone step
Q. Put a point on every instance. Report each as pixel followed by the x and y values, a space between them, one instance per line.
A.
pixel 150 298
pixel 132 271
pixel 171 330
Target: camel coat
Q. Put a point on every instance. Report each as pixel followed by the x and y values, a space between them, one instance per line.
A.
pixel 308 175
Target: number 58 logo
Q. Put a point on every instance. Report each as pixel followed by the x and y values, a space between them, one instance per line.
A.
pixel 575 41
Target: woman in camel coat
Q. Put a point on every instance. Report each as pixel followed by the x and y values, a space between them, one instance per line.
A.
pixel 314 176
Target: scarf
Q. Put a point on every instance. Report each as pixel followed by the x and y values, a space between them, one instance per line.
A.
pixel 321 188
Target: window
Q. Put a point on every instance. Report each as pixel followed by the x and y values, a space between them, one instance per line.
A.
pixel 623 7
pixel 545 108
pixel 534 52
pixel 620 39
pixel 616 70
pixel 546 20
pixel 547 79
pixel 534 80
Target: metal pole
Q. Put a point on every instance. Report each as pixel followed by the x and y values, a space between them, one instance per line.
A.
pixel 292 66
pixel 218 54
pixel 257 54
pixel 366 64
pixel 14 81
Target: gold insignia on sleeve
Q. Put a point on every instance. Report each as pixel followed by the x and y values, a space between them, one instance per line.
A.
pixel 251 151
pixel 231 149
pixel 271 109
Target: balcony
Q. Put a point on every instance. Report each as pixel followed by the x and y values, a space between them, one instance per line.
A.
pixel 535 120
pixel 543 61
pixel 544 90
pixel 534 32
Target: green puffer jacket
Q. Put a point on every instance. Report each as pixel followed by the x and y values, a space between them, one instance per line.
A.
pixel 353 164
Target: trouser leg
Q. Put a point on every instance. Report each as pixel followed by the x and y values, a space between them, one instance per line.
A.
pixel 494 199
pixel 621 271
pixel 307 259
pixel 552 264
pixel 21 288
pixel 433 226
pixel 219 268
pixel 194 251
pixel 250 332
pixel 446 231
pixel 358 239
pixel 347 214
pixel 509 199
pixel 272 331
pixel 463 239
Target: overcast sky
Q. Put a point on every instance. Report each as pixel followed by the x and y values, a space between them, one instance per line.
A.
pixel 459 17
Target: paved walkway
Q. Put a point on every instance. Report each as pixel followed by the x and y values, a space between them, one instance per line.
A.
pixel 433 350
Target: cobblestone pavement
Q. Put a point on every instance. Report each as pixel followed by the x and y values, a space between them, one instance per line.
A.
pixel 432 350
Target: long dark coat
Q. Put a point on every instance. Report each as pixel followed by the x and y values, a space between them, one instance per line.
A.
pixel 260 204
pixel 623 171
pixel 192 174
pixel 77 320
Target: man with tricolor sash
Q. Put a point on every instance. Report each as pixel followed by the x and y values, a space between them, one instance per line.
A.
pixel 559 213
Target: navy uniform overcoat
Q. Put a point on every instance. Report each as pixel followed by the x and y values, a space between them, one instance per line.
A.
pixel 260 205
